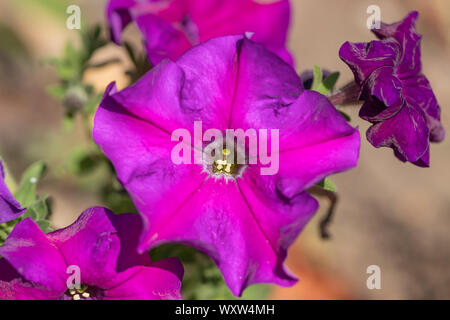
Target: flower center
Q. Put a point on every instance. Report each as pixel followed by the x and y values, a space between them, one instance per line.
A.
pixel 224 160
pixel 224 165
pixel 83 293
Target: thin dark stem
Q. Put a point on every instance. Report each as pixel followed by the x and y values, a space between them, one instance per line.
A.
pixel 348 94
pixel 327 219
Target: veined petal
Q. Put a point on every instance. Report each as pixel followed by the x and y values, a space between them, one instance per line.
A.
pixel 384 86
pixel 365 58
pixel 418 92
pixel 404 32
pixel 407 133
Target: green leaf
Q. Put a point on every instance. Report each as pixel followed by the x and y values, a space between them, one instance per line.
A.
pixel 329 82
pixel 65 70
pixel 26 194
pixel 44 225
pixel 323 86
pixel 327 184
pixel 55 7
pixel 130 52
pixel 317 80
pixel 38 210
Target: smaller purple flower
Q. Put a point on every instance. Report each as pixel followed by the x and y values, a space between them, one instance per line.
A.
pixel 10 209
pixel 171 27
pixel 399 101
pixel 101 246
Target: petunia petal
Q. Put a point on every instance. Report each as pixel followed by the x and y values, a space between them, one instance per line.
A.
pixel 222 224
pixel 18 289
pixel 159 281
pixel 10 209
pixel 365 58
pixel 310 119
pixel 301 168
pixel 35 257
pixel 404 32
pixel 264 89
pixel 211 74
pixel 268 22
pixel 91 243
pixel 162 39
pixel 407 133
pixel 418 92
pixel 423 162
pixel 14 287
pixel 383 85
pixel 141 154
pixel 129 228
pixel 118 14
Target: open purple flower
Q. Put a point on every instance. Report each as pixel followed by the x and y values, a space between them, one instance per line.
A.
pixel 101 246
pixel 398 98
pixel 244 220
pixel 170 27
pixel 10 209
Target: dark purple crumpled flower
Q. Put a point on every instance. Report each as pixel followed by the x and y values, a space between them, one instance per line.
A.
pixel 37 266
pixel 398 98
pixel 10 209
pixel 245 221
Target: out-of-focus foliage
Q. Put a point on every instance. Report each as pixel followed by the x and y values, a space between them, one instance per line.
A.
pixel 55 7
pixel 77 96
pixel 202 280
pixel 38 206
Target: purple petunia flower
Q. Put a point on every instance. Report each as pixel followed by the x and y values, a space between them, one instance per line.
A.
pixel 10 209
pixel 244 220
pixel 170 27
pixel 398 98
pixel 101 245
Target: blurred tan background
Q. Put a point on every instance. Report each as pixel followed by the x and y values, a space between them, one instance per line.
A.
pixel 390 214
